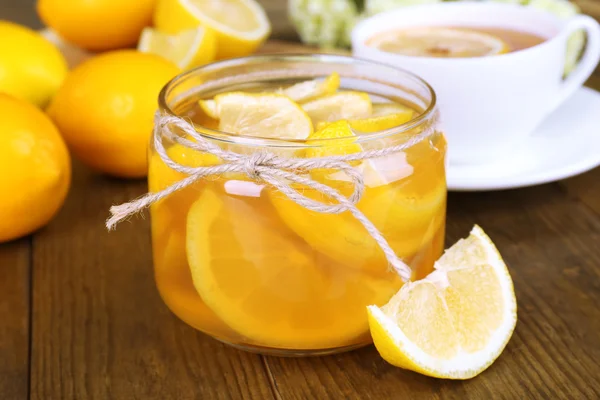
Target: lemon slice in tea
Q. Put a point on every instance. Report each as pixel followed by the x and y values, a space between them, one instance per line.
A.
pixel 455 322
pixel 187 49
pixel 272 116
pixel 440 42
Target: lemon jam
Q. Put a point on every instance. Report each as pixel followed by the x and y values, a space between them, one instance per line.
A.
pixel 238 260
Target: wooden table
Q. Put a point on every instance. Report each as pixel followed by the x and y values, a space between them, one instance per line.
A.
pixel 80 317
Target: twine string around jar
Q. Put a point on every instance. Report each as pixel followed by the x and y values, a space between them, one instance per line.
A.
pixel 272 169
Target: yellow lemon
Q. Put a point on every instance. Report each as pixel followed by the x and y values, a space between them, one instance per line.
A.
pixel 105 109
pixel 31 68
pixel 187 49
pixel 97 24
pixel 456 321
pixel 440 42
pixel 35 165
pixel 241 26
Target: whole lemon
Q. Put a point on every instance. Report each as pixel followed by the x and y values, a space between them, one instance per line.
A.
pixel 31 68
pixel 97 24
pixel 105 109
pixel 35 165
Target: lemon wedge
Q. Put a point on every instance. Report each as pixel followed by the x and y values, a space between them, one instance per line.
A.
pixel 272 116
pixel 310 90
pixel 440 42
pixel 241 26
pixel 456 321
pixel 187 49
pixel 338 106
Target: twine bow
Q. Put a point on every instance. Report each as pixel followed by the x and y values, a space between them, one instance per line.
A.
pixel 263 166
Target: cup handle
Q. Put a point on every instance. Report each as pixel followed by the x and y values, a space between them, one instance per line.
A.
pixel 588 62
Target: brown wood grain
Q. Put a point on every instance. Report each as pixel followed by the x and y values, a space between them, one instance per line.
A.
pixel 100 329
pixel 14 319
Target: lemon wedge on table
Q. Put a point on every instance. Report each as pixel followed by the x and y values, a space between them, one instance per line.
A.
pixel 187 49
pixel 272 116
pixel 440 42
pixel 241 26
pixel 455 322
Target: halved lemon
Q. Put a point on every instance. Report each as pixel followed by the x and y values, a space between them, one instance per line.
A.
pixel 272 116
pixel 187 49
pixel 341 105
pixel 455 322
pixel 440 42
pixel 310 90
pixel 269 285
pixel 240 26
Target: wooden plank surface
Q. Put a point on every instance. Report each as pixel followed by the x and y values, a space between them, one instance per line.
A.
pixel 14 319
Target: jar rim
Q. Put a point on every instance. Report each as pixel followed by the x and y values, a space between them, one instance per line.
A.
pixel 220 136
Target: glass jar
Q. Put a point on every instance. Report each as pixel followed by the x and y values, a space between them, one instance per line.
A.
pixel 243 263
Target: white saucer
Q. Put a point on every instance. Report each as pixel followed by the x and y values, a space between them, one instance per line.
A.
pixel 566 144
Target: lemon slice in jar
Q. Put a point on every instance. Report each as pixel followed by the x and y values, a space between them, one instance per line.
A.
pixel 209 107
pixel 240 25
pixel 267 284
pixel 299 92
pixel 187 49
pixel 409 210
pixel 383 116
pixel 455 322
pixel 310 90
pixel 440 42
pixel 338 106
pixel 271 116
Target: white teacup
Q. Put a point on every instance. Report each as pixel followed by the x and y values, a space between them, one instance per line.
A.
pixel 488 103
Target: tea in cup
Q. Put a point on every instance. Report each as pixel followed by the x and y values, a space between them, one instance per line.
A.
pixel 497 69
